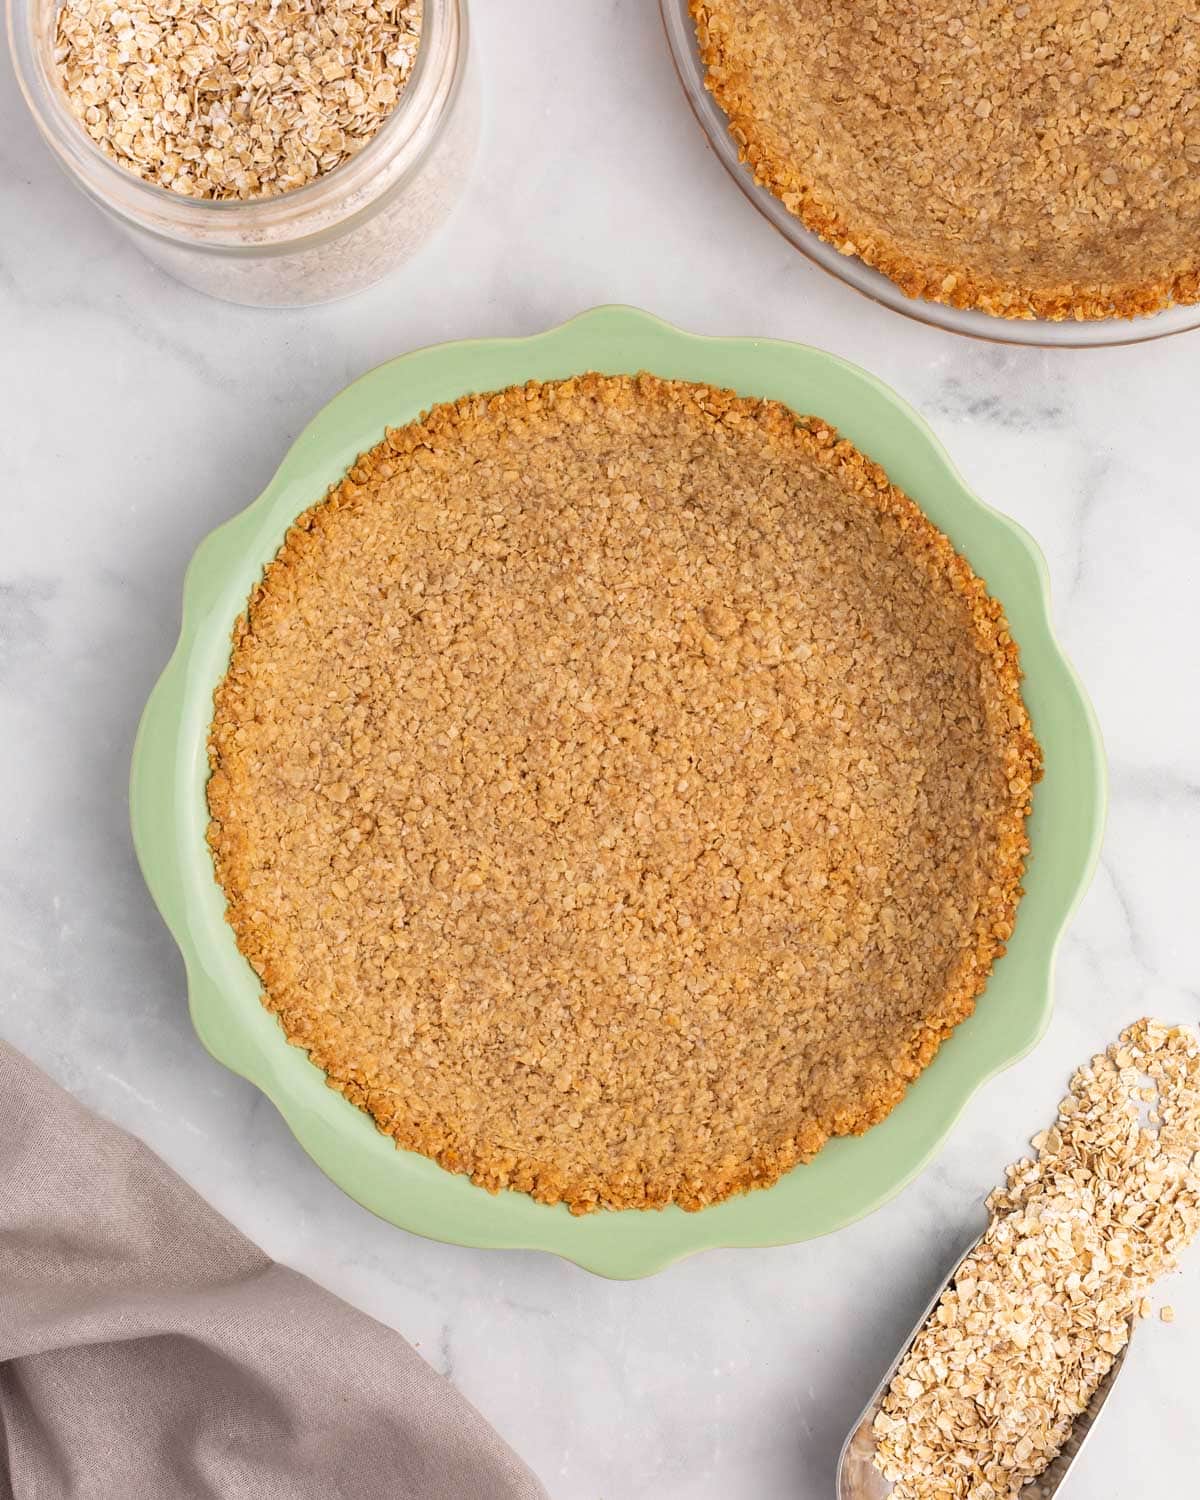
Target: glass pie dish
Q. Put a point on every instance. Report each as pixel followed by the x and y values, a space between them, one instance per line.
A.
pixel 681 36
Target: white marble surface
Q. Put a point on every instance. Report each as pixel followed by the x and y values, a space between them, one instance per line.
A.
pixel 135 415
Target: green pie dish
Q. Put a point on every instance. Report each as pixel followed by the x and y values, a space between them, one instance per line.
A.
pixel 851 1176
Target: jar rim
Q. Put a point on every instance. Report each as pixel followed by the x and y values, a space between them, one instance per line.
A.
pixel 399 142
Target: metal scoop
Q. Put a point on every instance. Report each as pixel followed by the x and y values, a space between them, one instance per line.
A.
pixel 859 1479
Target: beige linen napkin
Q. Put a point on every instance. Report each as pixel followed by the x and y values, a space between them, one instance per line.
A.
pixel 150 1352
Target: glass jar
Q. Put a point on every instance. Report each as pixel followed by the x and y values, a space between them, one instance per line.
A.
pixel 337 234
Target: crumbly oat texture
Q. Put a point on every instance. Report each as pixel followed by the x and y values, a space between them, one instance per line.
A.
pixel 619 788
pixel 991 1387
pixel 1040 159
pixel 234 98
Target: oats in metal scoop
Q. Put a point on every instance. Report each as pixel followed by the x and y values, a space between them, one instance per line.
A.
pixel 1011 1355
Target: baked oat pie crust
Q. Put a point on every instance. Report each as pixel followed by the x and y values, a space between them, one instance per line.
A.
pixel 1031 160
pixel 619 788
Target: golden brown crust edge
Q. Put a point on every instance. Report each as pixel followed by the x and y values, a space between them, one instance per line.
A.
pixel 492 1169
pixel 933 280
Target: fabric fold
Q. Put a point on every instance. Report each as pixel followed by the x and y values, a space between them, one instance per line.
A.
pixel 148 1349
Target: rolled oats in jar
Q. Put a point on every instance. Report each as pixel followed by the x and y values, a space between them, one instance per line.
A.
pixel 269 152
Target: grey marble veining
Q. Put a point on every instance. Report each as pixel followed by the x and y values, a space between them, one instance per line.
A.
pixel 137 415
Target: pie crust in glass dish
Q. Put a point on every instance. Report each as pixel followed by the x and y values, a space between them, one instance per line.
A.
pixel 619 788
pixel 1032 160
